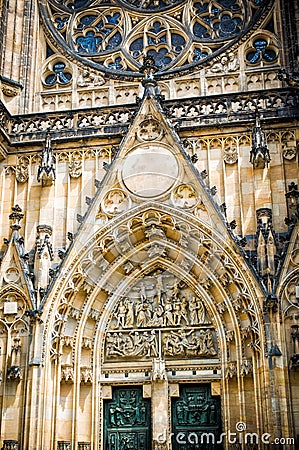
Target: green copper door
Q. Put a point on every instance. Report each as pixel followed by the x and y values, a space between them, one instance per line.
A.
pixel 127 420
pixel 196 419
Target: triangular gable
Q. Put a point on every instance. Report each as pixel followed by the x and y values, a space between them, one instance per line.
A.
pixel 14 268
pixel 152 165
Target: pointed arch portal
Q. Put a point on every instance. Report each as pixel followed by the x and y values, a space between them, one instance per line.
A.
pixel 154 301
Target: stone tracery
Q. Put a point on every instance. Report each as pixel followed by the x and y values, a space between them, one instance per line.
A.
pixel 117 38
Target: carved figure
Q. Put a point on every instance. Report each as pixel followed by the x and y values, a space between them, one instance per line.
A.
pixel 89 79
pixel 193 311
pixel 121 314
pixel 129 318
pixel 150 344
pixel 168 316
pixel 201 311
pixel 159 372
pixel 184 196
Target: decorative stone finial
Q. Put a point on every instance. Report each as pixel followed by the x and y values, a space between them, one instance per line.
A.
pixel 266 247
pixel 46 172
pixel 292 197
pixel 16 216
pixel 291 78
pixel 259 154
pixel 149 69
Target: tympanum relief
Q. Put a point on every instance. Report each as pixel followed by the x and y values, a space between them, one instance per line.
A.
pixel 160 317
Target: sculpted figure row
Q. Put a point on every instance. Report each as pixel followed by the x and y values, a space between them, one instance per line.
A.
pixel 140 344
pixel 163 309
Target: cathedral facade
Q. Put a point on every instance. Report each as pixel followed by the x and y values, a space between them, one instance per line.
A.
pixel 149 224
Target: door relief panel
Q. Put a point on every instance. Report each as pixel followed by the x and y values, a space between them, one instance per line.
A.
pixel 196 419
pixel 127 424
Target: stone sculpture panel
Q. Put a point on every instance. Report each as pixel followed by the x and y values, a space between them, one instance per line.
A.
pixel 160 317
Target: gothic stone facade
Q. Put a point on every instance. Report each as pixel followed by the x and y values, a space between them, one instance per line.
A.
pixel 149 206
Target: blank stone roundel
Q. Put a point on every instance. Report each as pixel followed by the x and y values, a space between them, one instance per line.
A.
pixel 150 171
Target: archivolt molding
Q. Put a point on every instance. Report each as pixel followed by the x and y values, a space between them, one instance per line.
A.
pixel 289 278
pixel 123 252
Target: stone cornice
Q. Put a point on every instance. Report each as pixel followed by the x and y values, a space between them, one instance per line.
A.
pixel 209 111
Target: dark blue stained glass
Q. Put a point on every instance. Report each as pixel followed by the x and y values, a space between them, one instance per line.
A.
pixel 60 22
pixel 156 41
pixel 206 19
pixel 178 42
pixel 260 44
pixel 51 79
pixel 215 10
pixel 269 55
pixel 198 54
pixel 137 45
pixel 228 25
pixel 113 19
pixel 230 4
pixel 58 67
pixel 59 75
pixel 160 57
pixel 86 21
pixel 156 28
pixel 116 65
pixel 253 57
pixel 64 78
pixel 88 43
pixel 200 31
pixel 114 41
pixel 201 8
pixel 262 52
pixel 80 3
pixel 99 25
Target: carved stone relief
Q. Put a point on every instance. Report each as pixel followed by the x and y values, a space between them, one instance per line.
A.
pixel 89 79
pixel 150 129
pixel 230 155
pixel 115 202
pixel 75 168
pixel 12 275
pixel 67 373
pixel 10 445
pixel 22 173
pixel 289 151
pixel 228 63
pixel 160 316
pixel 12 307
pixel 185 196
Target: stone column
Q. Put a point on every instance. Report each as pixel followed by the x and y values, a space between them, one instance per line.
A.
pixel 159 394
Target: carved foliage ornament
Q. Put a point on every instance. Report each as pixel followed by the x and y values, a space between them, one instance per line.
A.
pixel 22 173
pixel 289 150
pixel 106 36
pixel 75 168
pixel 115 202
pixel 149 129
pixel 185 196
pixel 230 155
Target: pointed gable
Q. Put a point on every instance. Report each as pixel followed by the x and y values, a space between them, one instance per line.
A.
pixel 15 277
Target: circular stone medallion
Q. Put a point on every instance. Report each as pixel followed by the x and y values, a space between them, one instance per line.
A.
pixel 150 171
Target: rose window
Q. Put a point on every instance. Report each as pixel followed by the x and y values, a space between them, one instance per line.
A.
pixel 114 37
